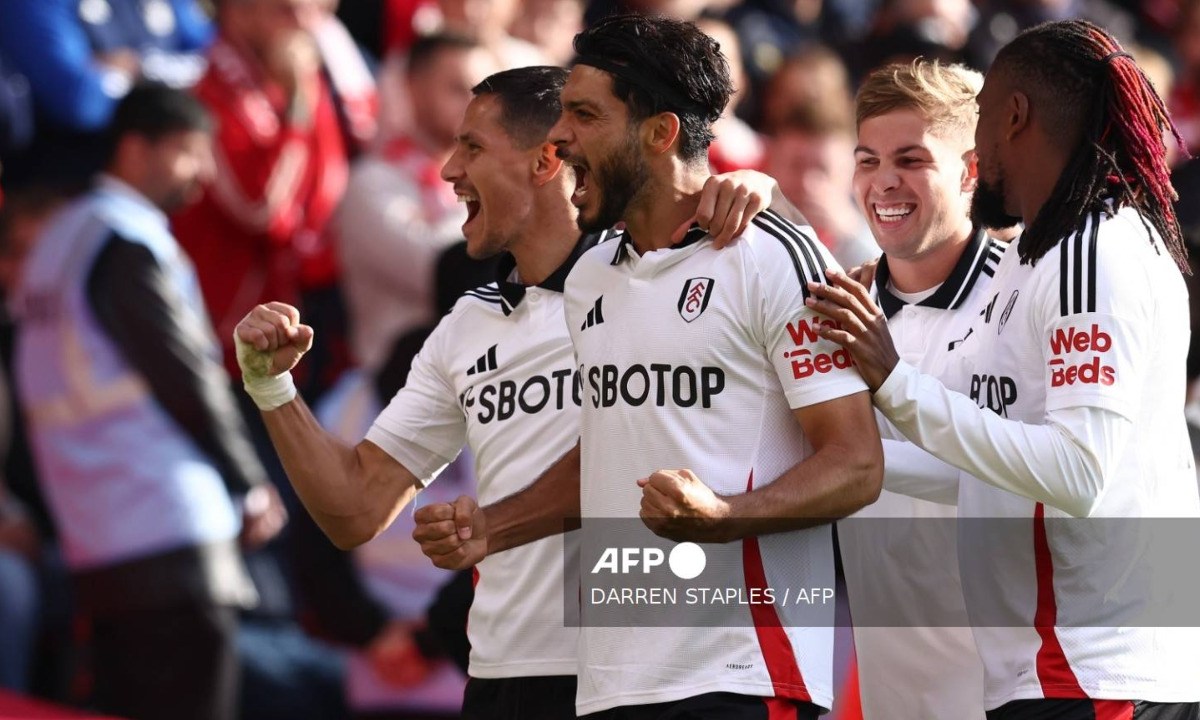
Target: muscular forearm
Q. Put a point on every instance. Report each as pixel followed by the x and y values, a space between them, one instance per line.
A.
pixel 547 507
pixel 830 484
pixel 351 492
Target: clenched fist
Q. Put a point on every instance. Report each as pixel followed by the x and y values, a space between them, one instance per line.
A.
pixel 270 341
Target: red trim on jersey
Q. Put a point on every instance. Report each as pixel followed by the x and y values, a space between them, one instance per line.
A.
pixel 773 641
pixel 474 577
pixel 780 709
pixel 1054 672
pixel 1113 709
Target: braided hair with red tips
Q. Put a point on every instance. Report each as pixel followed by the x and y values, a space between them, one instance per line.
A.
pixel 1096 98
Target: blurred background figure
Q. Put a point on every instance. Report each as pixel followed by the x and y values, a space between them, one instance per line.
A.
pixel 29 607
pixel 737 146
pixel 551 26
pixel 282 159
pixel 810 150
pixel 398 215
pixel 81 57
pixel 1184 99
pixel 115 348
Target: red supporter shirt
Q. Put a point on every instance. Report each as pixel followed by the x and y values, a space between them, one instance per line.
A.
pixel 258 233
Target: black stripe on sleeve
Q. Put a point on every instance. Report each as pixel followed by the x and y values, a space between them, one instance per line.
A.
pixel 1064 278
pixel 1077 269
pixel 1091 303
pixel 803 272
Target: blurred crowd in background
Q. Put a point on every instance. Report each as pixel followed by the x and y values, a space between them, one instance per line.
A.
pixel 332 122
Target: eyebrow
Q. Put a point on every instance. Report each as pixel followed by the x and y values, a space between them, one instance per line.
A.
pixel 579 104
pixel 899 151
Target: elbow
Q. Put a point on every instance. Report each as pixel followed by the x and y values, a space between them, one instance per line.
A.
pixel 1084 505
pixel 349 533
pixel 864 479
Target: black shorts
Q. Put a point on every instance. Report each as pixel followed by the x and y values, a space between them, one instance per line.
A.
pixel 522 698
pixel 1094 710
pixel 715 706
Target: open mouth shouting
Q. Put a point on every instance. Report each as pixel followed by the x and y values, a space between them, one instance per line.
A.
pixel 472 202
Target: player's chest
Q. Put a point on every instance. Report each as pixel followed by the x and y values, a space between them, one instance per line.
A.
pixel 522 370
pixel 687 317
pixel 1002 366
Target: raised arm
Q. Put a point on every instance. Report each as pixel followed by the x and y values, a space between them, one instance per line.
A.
pixel 352 493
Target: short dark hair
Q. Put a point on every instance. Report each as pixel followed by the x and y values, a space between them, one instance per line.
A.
pixel 427 47
pixel 529 101
pixel 658 65
pixel 153 111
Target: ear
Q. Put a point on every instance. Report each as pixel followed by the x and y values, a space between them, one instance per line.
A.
pixel 970 177
pixel 130 153
pixel 1017 113
pixel 659 132
pixel 546 164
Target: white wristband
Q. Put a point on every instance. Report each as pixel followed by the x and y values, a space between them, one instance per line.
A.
pixel 267 391
pixel 271 391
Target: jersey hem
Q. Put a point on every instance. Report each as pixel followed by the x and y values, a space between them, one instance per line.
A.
pixel 1147 692
pixel 535 668
pixel 823 699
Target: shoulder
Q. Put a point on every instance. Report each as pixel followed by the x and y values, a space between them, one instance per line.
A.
pixel 1113 261
pixel 603 255
pixel 779 246
pixel 484 299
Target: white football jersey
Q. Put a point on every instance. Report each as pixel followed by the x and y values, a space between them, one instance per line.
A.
pixel 692 357
pixel 1100 323
pixel 900 554
pixel 498 375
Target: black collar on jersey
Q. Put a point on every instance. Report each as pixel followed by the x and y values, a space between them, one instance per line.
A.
pixel 694 235
pixel 953 292
pixel 512 293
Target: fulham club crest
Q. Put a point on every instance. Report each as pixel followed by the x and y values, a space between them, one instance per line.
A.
pixel 695 296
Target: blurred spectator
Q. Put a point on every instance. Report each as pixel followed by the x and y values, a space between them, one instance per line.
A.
pixel 814 78
pixel 115 349
pixel 81 57
pixel 810 151
pixel 1184 99
pixel 18 577
pixel 355 97
pixel 551 25
pixel 16 111
pixel 769 31
pixel 398 214
pixel 1001 20
pixel 737 146
pixel 487 22
pixel 904 30
pixel 258 233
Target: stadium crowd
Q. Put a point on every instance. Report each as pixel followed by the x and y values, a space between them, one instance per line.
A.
pixel 168 165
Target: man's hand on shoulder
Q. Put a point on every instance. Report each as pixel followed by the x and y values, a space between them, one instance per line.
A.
pixel 453 536
pixel 678 506
pixel 728 203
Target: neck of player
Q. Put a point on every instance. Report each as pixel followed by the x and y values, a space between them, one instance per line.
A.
pixel 668 199
pixel 551 236
pixel 1037 182
pixel 932 267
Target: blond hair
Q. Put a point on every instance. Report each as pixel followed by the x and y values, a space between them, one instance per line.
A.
pixel 943 94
